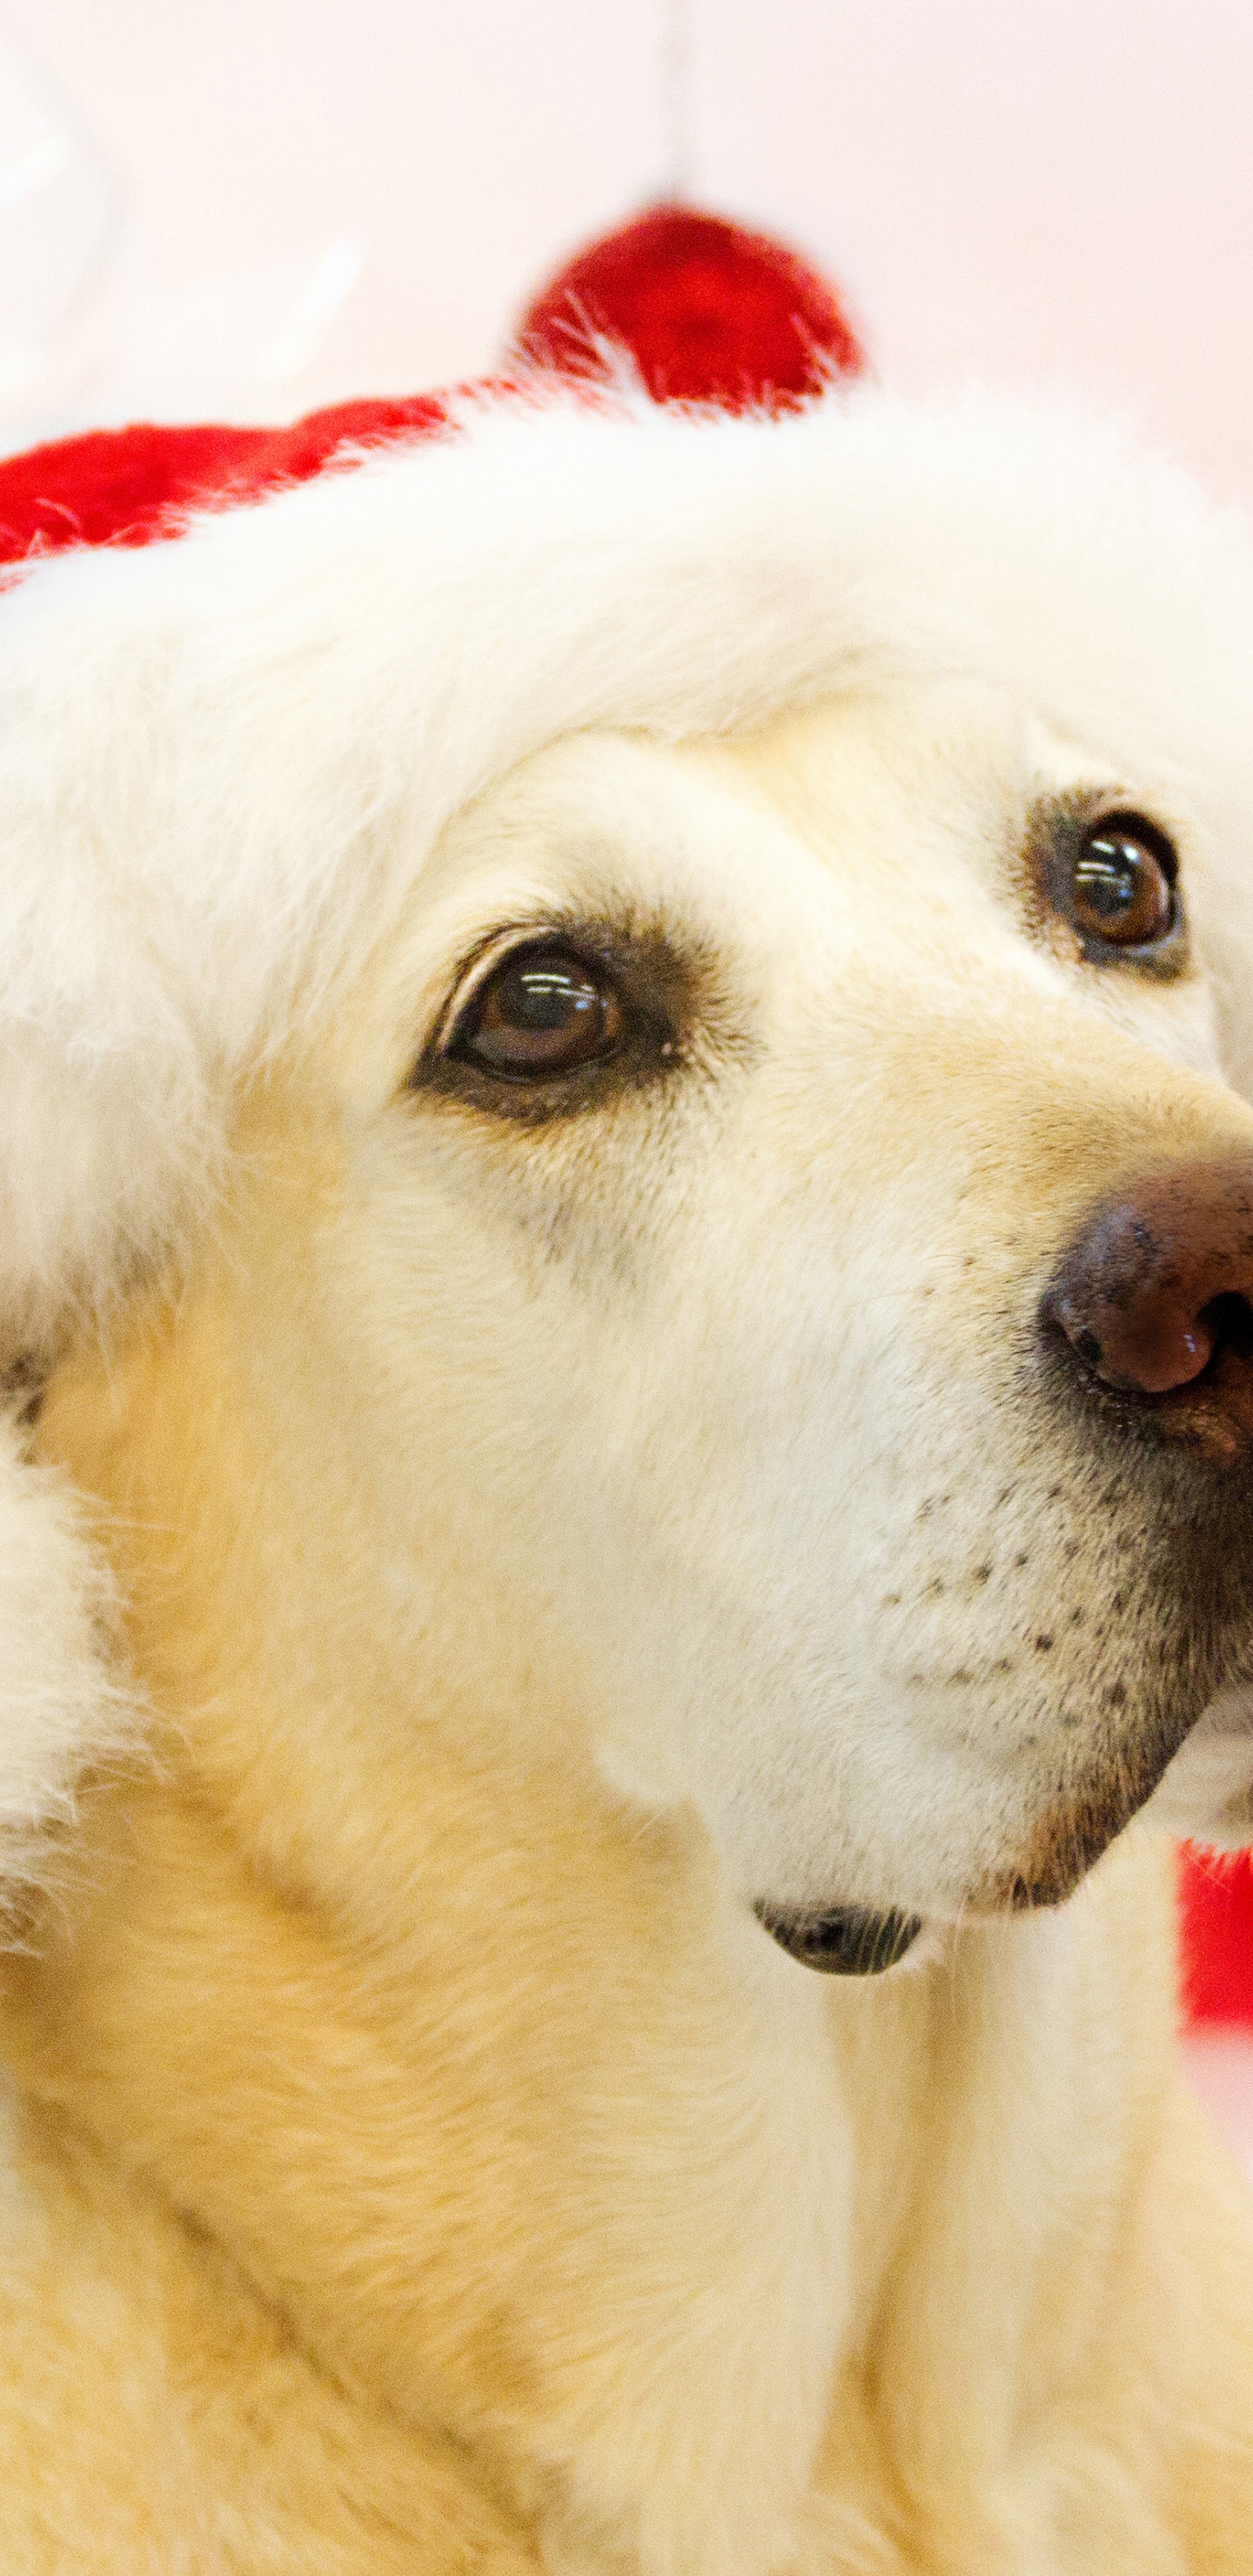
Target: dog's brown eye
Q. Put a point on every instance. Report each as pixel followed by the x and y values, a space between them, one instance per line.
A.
pixel 1123 883
pixel 544 1012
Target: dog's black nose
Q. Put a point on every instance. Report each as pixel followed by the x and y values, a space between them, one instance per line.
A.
pixel 1155 1297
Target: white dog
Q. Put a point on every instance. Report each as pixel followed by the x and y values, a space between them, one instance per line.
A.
pixel 636 1263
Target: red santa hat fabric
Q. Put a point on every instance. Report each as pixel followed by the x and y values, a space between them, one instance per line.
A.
pixel 682 507
pixel 128 487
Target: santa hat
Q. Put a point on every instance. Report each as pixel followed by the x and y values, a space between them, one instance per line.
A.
pixel 247 676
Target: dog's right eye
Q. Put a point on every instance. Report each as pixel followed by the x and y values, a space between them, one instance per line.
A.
pixel 544 1011
pixel 1123 883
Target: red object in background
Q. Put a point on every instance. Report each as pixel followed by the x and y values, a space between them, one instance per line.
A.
pixel 710 313
pixel 1216 1908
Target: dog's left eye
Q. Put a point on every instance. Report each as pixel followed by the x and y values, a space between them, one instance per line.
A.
pixel 1123 883
pixel 544 1011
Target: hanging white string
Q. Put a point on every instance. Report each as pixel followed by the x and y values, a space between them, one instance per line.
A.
pixel 676 99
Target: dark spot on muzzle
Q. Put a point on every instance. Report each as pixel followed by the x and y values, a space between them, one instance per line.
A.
pixel 848 1942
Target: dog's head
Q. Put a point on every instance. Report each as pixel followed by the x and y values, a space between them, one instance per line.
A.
pixel 793 1262
pixel 757 1220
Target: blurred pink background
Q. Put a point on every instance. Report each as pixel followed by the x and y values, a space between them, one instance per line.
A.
pixel 309 201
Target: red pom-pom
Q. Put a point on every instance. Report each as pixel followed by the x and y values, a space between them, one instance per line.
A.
pixel 708 312
pixel 1216 1902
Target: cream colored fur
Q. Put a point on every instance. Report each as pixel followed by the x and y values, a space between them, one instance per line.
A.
pixel 394 2088
pixel 536 1546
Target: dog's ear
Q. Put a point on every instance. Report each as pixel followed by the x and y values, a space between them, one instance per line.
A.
pixel 63 1704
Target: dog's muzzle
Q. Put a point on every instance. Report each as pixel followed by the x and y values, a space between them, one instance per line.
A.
pixel 849 1942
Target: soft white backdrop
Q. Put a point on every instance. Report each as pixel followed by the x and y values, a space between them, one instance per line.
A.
pixel 318 200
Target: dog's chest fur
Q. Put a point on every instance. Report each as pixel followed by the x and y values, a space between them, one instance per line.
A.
pixel 620 2276
pixel 694 2330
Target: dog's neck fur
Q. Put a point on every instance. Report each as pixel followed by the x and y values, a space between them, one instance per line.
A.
pixel 549 2152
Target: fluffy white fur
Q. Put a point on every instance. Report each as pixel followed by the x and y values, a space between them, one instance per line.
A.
pixel 58 1701
pixel 222 760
